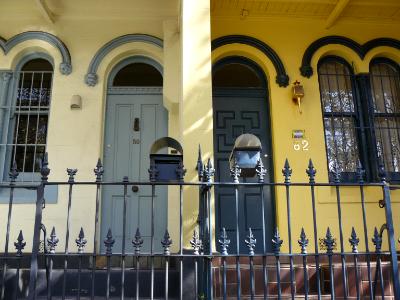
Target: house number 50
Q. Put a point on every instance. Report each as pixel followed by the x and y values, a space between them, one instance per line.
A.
pixel 301 145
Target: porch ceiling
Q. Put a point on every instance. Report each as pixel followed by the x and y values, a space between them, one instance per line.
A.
pixel 89 9
pixel 377 11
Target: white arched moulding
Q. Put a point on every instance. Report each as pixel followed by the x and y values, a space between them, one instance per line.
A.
pixel 65 66
pixel 91 77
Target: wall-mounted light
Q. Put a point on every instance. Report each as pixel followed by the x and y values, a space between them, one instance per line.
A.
pixel 76 102
pixel 298 94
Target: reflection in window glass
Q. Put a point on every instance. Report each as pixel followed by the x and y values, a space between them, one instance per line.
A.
pixel 28 128
pixel 385 84
pixel 236 75
pixel 339 116
pixel 138 74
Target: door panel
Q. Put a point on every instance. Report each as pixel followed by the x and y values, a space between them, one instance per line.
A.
pixel 126 153
pixel 234 116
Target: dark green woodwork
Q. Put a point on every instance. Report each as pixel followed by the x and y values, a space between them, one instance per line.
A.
pixel 238 111
pixel 282 79
pixel 361 49
pixel 365 124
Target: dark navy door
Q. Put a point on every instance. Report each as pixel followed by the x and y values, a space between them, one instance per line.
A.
pixel 238 110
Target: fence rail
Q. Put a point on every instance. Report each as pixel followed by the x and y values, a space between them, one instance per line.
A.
pixel 306 265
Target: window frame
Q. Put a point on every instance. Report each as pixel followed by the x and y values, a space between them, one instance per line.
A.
pixel 355 115
pixel 9 97
pixel 393 177
pixel 364 115
pixel 12 107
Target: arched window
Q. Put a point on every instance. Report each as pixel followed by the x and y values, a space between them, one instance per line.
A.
pixel 340 116
pixel 28 118
pixel 364 125
pixel 385 91
pixel 236 75
pixel 138 74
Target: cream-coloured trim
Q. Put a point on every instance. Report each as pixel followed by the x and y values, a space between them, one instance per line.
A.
pixel 336 12
pixel 45 11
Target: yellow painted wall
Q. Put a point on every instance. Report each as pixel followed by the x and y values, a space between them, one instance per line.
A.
pixel 290 38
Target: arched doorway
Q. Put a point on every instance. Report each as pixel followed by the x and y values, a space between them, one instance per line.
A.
pixel 135 117
pixel 240 105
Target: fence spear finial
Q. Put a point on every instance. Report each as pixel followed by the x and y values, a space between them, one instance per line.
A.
pixel 109 242
pixel 137 242
pixel 329 241
pixel 277 242
pixel 224 242
pixel 44 169
pixel 208 171
pixel 71 175
pixel 360 172
pixel 196 242
pixel 251 242
pixel 166 242
pixel 311 171
pixel 199 165
pixel 52 241
pixel 303 241
pixel 377 240
pixel 81 241
pixel 20 244
pixel 287 171
pixel 235 171
pixel 260 170
pixel 99 170
pixel 354 240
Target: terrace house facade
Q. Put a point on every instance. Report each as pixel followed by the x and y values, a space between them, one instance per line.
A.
pixel 93 84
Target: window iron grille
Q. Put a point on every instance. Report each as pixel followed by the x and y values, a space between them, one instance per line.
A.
pixel 385 90
pixel 28 123
pixel 361 118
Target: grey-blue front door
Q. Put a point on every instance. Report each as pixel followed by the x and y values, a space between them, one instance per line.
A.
pixel 126 153
pixel 236 112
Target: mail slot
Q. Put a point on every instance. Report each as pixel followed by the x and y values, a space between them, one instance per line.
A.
pixel 246 153
pixel 166 167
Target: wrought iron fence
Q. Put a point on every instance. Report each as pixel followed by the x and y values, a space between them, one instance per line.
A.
pixel 203 272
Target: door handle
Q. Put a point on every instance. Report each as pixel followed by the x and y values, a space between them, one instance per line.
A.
pixel 136 124
pixel 135 189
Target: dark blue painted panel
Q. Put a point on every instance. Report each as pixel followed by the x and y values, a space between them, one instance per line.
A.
pixel 234 115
